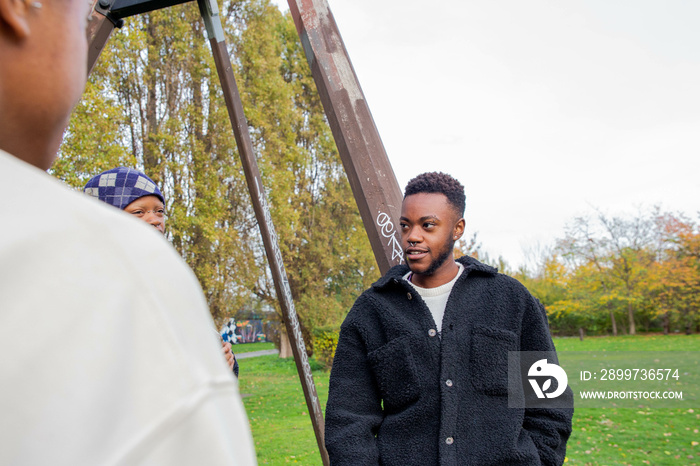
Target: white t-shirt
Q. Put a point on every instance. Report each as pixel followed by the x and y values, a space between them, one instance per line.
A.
pixel 436 298
pixel 106 350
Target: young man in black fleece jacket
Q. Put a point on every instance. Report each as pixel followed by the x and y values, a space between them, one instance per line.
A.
pixel 420 375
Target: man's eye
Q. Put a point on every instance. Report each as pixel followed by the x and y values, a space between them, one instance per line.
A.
pixel 160 211
pixel 136 212
pixel 403 226
pixel 428 225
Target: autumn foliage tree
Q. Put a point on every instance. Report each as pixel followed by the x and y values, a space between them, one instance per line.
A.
pixel 673 282
pixel 642 270
pixel 154 102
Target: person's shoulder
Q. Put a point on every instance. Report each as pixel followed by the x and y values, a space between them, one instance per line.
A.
pixel 79 251
pixel 389 279
pixel 373 301
pixel 28 192
pixel 474 266
pixel 362 310
pixel 46 216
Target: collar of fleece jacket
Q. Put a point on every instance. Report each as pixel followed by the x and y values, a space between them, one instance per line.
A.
pixel 470 265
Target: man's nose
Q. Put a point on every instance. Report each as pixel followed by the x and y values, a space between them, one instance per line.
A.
pixel 153 219
pixel 414 235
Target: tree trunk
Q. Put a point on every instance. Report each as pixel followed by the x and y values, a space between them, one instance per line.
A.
pixel 614 323
pixel 150 158
pixel 580 333
pixel 630 312
pixel 666 323
pixel 285 346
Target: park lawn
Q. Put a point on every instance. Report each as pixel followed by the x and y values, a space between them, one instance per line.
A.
pixel 276 408
pixel 626 436
pixel 282 430
pixel 250 347
pixel 652 342
pixel 634 437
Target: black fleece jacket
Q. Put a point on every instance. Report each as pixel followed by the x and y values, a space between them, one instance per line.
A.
pixel 402 395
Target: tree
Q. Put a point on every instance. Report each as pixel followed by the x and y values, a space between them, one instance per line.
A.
pixel 642 268
pixel 617 252
pixel 154 101
pixel 674 280
pixel 586 258
pixel 470 247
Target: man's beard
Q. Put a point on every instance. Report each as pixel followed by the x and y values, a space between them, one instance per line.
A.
pixel 437 263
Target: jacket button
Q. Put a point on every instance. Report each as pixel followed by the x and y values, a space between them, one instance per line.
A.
pixel 449 440
pixel 448 382
pixel 409 295
pixel 432 332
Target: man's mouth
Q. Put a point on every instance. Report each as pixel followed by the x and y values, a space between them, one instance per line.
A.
pixel 415 253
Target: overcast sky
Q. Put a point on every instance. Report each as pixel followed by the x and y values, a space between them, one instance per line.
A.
pixel 542 109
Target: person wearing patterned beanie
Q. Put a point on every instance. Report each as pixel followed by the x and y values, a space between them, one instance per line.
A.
pixel 135 193
pixel 132 191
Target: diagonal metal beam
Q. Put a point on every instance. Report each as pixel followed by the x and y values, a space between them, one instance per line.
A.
pixel 371 177
pixel 107 15
pixel 210 14
pixel 98 32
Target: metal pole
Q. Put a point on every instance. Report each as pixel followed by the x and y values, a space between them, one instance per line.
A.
pixel 99 29
pixel 210 14
pixel 371 177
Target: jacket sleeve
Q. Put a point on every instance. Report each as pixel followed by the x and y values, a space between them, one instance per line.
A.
pixel 354 411
pixel 549 428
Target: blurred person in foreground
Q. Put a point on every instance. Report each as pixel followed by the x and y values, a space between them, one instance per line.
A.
pixel 420 374
pixel 105 337
pixel 137 194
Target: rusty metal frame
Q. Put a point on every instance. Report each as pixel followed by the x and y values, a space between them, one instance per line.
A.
pixel 369 172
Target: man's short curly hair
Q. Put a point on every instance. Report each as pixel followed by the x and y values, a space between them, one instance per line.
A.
pixel 441 183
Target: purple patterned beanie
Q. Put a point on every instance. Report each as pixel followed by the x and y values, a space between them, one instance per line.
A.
pixel 121 186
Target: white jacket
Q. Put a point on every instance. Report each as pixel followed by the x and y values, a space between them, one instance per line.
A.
pixel 106 351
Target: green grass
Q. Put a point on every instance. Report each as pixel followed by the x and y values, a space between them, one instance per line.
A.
pixel 277 410
pixel 631 343
pixel 626 436
pixel 283 434
pixel 250 347
pixel 633 437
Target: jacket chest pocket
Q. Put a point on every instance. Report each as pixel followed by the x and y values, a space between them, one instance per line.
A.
pixel 488 361
pixel 396 375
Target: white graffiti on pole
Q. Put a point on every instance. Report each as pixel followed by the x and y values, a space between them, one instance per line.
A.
pixel 291 311
pixel 388 231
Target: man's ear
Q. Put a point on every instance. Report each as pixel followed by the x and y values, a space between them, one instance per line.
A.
pixel 14 18
pixel 459 229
